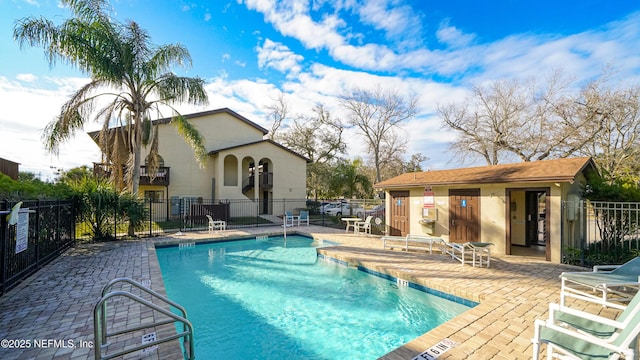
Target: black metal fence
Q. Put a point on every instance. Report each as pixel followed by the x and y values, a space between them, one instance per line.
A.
pixel 45 230
pixel 190 214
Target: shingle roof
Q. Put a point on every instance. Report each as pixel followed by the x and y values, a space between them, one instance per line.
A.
pixel 558 170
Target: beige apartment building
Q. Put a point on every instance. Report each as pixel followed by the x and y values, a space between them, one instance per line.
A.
pixel 242 164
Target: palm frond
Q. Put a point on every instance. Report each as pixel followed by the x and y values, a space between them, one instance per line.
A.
pixel 70 119
pixel 39 32
pixel 168 55
pixel 89 10
pixel 172 88
pixel 193 138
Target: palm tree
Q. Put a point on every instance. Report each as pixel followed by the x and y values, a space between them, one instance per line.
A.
pixel 348 181
pixel 130 80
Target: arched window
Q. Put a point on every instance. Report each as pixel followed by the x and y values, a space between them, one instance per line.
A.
pixel 230 171
pixel 160 161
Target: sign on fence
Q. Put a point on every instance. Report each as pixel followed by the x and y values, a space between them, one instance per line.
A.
pixel 22 231
pixel 20 218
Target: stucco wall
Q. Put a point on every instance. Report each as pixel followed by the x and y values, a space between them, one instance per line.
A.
pixel 289 171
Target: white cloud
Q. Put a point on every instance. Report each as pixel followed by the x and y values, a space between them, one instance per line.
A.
pixel 27 77
pixel 452 36
pixel 279 57
pixel 398 21
pixel 291 18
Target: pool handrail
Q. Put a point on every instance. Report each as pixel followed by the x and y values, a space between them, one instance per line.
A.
pixel 100 320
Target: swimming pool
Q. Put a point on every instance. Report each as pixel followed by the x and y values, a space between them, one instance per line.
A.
pixel 272 299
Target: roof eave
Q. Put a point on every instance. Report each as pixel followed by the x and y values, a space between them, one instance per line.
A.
pixel 484 181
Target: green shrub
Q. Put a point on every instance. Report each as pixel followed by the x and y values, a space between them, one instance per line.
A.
pixel 100 206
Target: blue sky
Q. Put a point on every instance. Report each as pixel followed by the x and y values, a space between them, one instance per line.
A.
pixel 251 51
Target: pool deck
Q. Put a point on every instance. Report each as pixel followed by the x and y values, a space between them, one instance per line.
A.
pixel 56 303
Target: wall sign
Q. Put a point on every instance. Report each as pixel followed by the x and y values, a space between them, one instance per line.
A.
pixel 463 202
pixel 428 198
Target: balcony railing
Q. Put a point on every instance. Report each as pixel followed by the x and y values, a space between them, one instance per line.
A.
pixel 161 176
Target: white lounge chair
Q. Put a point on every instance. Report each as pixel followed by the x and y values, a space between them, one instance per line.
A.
pixel 425 242
pixel 574 334
pixel 363 226
pixel 394 242
pixel 603 285
pixel 474 252
pixel 216 224
pixel 414 242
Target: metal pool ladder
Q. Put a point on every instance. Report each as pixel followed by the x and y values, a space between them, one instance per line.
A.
pixel 100 321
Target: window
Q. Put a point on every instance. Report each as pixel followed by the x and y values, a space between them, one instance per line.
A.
pixel 154 195
pixel 159 159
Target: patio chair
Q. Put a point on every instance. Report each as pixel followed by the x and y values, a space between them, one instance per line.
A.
pixel 575 334
pixel 605 284
pixel 364 226
pixel 470 252
pixel 304 217
pixel 216 224
pixel 289 218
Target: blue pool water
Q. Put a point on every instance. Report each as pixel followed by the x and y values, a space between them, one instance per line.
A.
pixel 271 299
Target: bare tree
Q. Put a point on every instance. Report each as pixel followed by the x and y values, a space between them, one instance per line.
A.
pixel 376 113
pixel 394 152
pixel 277 113
pixel 319 137
pixel 616 147
pixel 512 118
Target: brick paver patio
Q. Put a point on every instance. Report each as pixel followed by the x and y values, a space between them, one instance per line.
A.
pixel 57 302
